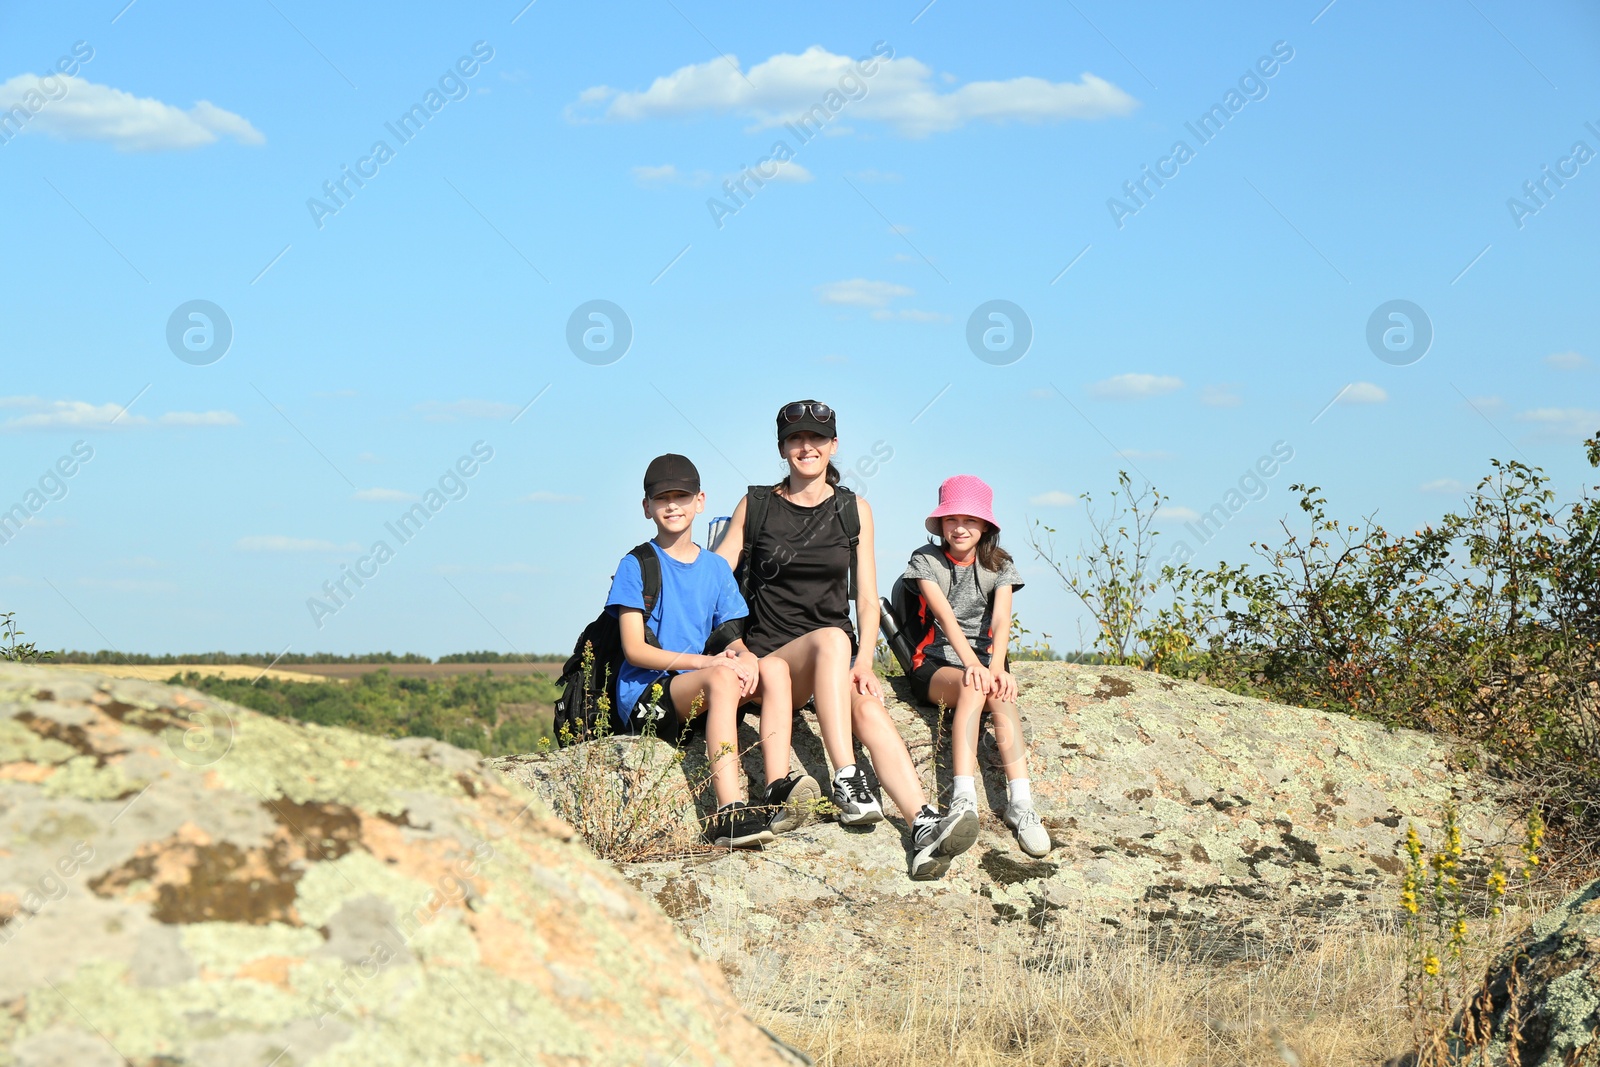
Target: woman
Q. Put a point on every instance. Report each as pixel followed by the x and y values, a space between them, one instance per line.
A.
pixel 797 578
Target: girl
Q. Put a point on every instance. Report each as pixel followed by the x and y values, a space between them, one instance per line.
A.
pixel 966 581
pixel 796 581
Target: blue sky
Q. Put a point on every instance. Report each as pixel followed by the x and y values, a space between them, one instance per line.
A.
pixel 1181 335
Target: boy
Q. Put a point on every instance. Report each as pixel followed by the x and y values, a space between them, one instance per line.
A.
pixel 664 654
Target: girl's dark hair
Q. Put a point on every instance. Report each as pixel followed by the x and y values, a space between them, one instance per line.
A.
pixel 991 557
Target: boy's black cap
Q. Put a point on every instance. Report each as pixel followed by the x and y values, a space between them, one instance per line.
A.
pixel 670 472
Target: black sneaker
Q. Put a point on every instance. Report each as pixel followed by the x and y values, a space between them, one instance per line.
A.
pixel 853 797
pixel 938 840
pixel 790 800
pixel 736 826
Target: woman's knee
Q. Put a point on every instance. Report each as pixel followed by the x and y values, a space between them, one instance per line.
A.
pixel 833 643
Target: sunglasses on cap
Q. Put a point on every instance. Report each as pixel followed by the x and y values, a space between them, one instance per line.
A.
pixel 797 411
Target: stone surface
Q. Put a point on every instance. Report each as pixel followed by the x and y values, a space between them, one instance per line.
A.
pixel 1545 984
pixel 183 881
pixel 1178 811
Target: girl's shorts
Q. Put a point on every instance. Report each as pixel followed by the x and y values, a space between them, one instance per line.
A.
pixel 922 677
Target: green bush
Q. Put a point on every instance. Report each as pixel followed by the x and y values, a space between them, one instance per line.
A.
pixel 464 710
pixel 1484 625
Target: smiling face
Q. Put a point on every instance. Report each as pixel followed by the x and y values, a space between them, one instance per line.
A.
pixel 808 453
pixel 961 532
pixel 674 511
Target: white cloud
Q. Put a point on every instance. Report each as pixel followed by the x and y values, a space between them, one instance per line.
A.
pixel 396 496
pixel 1565 361
pixel 1055 498
pixel 910 315
pixel 861 293
pixel 544 496
pixel 655 175
pixel 1138 454
pixel 1177 513
pixel 1220 396
pixel 78 414
pixel 1442 485
pixel 72 109
pixel 199 418
pixel 1486 404
pixel 668 174
pixel 1575 423
pixel 1363 393
pixel 900 92
pixel 439 411
pixel 792 172
pixel 1136 386
pixel 279 543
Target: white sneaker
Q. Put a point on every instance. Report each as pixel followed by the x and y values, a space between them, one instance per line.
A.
pixel 1031 834
pixel 940 839
pixel 853 797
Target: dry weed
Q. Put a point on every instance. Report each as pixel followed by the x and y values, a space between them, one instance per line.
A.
pixel 1084 998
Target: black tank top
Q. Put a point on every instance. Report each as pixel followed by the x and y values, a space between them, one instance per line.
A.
pixel 799 570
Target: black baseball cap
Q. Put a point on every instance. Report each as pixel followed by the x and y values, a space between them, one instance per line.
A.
pixel 669 472
pixel 803 415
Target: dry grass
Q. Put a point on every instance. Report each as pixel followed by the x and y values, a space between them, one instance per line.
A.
pixel 1334 998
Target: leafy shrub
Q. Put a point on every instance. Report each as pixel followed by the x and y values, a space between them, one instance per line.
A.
pixel 1485 625
pixel 464 710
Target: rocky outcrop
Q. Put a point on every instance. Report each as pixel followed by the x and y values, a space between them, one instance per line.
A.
pixel 1178 811
pixel 183 881
pixel 1542 993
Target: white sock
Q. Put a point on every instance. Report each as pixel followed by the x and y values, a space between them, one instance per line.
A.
pixel 1021 791
pixel 844 772
pixel 966 786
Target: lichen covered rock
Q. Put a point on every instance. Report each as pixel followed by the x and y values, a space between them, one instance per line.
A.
pixel 183 881
pixel 1178 811
pixel 1542 993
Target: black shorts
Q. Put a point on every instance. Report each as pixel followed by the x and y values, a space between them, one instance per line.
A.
pixel 670 726
pixel 922 677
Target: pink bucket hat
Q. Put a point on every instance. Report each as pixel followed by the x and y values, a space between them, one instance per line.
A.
pixel 963 494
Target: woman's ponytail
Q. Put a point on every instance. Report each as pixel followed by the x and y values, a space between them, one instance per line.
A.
pixel 833 473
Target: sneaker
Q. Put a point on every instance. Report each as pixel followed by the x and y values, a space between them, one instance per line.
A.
pixel 790 800
pixel 940 839
pixel 853 797
pixel 1031 834
pixel 736 826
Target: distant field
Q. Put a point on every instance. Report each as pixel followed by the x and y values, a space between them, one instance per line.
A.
pixel 312 672
pixel 415 670
pixel 160 672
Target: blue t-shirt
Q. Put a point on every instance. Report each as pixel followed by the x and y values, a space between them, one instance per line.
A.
pixel 695 599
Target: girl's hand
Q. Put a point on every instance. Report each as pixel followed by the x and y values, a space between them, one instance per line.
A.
pixel 865 680
pixel 1005 687
pixel 979 678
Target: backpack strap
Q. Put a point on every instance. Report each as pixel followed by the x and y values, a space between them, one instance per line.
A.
pixel 756 499
pixel 650 577
pixel 849 509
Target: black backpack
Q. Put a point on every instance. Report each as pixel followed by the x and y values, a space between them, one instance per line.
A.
pixel 759 497
pixel 909 625
pixel 590 674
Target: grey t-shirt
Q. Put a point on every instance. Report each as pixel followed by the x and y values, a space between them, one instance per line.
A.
pixel 974 614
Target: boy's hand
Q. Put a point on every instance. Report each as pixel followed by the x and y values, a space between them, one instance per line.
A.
pixel 1005 687
pixel 745 666
pixel 979 678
